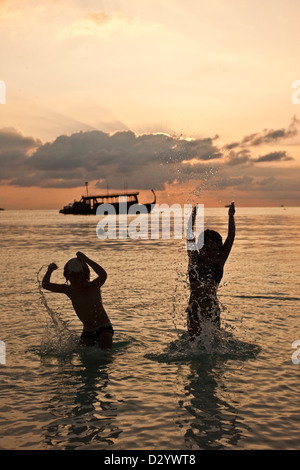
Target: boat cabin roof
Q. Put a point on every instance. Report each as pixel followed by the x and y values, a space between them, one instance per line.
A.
pixel 108 196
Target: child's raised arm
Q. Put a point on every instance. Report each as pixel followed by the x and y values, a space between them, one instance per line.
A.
pixel 46 284
pixel 102 275
pixel 231 234
pixel 190 238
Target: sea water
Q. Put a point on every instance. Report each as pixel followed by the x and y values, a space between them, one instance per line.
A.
pixel 154 390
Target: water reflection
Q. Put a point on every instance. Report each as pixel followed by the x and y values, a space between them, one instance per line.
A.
pixel 214 421
pixel 83 408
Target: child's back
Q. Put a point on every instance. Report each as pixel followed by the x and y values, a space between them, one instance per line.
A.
pixel 86 298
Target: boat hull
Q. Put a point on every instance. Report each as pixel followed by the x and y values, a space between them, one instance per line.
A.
pixel 89 205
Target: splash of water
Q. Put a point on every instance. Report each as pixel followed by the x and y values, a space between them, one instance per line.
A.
pixel 179 300
pixel 58 338
pixel 210 336
pixel 227 347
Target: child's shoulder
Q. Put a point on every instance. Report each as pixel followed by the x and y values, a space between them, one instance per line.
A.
pixel 96 283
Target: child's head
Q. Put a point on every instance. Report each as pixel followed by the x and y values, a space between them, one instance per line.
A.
pixel 76 272
pixel 212 243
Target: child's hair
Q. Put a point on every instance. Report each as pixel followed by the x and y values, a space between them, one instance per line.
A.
pixel 76 266
pixel 211 235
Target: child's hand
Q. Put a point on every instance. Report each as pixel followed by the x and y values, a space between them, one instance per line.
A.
pixel 194 211
pixel 231 210
pixel 81 256
pixel 52 267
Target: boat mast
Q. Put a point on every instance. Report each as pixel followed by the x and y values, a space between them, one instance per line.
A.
pixel 87 189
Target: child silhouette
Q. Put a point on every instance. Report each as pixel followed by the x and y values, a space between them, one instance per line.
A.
pixel 205 270
pixel 86 298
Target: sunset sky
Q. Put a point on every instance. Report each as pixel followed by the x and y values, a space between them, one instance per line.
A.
pixel 190 98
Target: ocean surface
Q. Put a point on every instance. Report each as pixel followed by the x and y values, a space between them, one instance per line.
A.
pixel 153 390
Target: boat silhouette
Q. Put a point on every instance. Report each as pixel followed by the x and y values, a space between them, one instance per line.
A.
pixel 89 204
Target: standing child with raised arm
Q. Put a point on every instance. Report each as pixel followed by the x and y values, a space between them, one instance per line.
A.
pixel 86 298
pixel 205 270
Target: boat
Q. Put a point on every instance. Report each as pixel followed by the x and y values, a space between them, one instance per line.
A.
pixel 89 204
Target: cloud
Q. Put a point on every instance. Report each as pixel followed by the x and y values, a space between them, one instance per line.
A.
pixel 284 183
pixel 244 157
pixel 238 158
pixel 263 181
pixel 13 140
pixel 266 181
pixel 267 136
pixel 15 149
pixel 274 156
pixel 243 181
pixel 142 161
pixel 137 162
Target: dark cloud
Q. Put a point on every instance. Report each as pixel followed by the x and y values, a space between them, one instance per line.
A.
pixel 13 140
pixel 267 136
pixel 238 158
pixel 140 161
pixel 15 149
pixel 143 161
pixel 274 156
pixel 243 181
pixel 244 157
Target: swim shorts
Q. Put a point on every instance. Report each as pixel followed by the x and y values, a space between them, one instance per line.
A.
pixel 94 335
